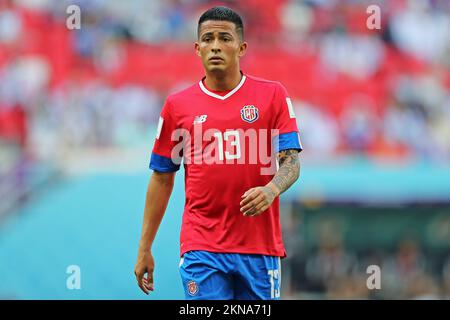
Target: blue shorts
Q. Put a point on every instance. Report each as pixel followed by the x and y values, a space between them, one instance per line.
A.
pixel 230 276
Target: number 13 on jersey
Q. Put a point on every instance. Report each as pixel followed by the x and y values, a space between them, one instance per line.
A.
pixel 234 142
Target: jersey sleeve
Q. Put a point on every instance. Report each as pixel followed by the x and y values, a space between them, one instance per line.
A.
pixel 162 159
pixel 288 136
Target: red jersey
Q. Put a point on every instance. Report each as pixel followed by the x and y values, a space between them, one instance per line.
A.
pixel 227 144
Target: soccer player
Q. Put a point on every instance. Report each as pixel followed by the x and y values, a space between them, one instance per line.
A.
pixel 222 127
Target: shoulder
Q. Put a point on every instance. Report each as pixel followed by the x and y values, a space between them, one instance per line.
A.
pixel 265 83
pixel 183 95
pixel 273 90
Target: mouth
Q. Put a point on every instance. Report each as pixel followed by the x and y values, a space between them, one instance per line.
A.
pixel 215 59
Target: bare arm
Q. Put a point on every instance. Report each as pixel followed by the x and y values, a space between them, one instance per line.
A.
pixel 288 172
pixel 158 193
pixel 257 200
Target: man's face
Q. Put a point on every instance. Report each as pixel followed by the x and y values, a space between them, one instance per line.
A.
pixel 219 45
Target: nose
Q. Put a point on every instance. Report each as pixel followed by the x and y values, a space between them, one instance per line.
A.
pixel 215 46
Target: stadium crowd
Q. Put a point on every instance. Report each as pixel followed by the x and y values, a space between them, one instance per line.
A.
pixel 382 93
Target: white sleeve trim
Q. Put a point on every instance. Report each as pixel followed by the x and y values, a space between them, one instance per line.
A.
pixel 290 108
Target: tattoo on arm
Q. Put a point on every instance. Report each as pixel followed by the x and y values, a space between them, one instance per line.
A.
pixel 288 171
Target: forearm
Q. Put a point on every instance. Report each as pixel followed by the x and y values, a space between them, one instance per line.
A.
pixel 158 194
pixel 288 172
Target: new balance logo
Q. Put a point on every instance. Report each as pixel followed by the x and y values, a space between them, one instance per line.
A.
pixel 200 119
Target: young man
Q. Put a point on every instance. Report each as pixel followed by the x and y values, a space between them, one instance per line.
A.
pixel 230 241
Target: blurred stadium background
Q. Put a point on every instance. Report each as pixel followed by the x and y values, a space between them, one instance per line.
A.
pixel 78 110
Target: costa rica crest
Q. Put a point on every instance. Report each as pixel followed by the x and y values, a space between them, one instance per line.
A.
pixel 192 288
pixel 249 113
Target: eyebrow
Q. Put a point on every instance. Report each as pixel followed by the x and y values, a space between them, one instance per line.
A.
pixel 220 33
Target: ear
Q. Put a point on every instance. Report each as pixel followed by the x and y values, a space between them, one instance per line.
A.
pixel 197 49
pixel 242 49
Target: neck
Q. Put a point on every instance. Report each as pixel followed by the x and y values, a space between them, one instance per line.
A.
pixel 223 82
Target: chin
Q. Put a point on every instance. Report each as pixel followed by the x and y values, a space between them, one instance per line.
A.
pixel 216 68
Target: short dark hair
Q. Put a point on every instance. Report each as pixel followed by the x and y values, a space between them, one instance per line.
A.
pixel 222 14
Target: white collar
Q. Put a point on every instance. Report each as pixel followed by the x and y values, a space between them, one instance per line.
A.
pixel 229 94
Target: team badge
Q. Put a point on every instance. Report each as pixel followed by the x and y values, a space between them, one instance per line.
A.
pixel 249 113
pixel 192 288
